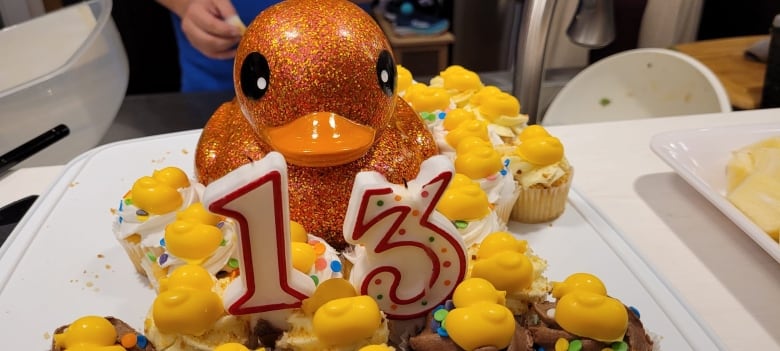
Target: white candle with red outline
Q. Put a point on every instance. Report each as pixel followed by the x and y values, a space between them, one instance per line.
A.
pixel 255 196
pixel 409 257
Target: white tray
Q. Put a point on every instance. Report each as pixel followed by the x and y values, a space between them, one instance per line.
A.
pixel 700 156
pixel 62 261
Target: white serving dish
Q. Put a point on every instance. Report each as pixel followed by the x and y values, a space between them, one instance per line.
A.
pixel 62 261
pixel 700 156
pixel 66 67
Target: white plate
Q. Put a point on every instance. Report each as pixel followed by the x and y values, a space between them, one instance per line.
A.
pixel 700 156
pixel 63 262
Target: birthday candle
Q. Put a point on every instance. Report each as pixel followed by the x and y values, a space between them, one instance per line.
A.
pixel 255 196
pixel 409 257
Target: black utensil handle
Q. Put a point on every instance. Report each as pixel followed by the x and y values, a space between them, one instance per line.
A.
pixel 21 153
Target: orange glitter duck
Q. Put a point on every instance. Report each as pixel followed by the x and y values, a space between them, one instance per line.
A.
pixel 316 81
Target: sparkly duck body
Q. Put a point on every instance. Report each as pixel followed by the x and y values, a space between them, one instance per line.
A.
pixel 316 81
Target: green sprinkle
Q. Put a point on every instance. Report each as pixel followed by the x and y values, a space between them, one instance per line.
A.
pixel 233 263
pixel 379 297
pixel 461 224
pixel 424 303
pixel 431 239
pixel 380 203
pixel 575 345
pixel 315 279
pixel 428 116
pixel 604 102
pixel 151 257
pixel 619 346
pixel 223 243
pixel 440 314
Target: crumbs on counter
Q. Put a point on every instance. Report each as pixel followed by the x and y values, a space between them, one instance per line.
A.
pixel 604 102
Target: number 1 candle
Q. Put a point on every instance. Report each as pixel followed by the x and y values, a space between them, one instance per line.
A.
pixel 255 196
pixel 408 256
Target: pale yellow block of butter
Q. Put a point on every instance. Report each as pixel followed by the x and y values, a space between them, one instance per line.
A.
pixel 758 197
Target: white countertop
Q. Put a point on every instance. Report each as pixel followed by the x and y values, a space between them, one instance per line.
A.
pixel 725 277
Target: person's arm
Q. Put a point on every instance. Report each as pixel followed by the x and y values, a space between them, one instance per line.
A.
pixel 203 23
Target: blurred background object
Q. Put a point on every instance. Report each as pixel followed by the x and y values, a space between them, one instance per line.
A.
pixel 638 83
pixel 64 67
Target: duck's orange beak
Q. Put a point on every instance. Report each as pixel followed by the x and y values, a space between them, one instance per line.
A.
pixel 321 139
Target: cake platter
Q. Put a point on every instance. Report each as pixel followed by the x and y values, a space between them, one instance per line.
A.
pixel 62 261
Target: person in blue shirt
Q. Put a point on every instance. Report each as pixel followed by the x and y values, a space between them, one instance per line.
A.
pixel 207 39
pixel 207 42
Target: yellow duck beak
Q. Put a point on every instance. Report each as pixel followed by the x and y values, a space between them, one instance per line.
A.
pixel 321 139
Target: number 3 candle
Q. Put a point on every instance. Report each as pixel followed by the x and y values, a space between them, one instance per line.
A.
pixel 255 196
pixel 408 256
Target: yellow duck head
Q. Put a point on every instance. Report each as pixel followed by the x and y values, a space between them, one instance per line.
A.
pixel 89 333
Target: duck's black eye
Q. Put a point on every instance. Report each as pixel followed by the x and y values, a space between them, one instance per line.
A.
pixel 385 72
pixel 255 76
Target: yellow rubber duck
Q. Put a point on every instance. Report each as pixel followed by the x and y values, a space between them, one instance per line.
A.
pixel 89 333
pixel 188 305
pixel 346 321
pixel 463 200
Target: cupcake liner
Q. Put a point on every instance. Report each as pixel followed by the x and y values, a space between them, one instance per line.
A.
pixel 536 205
pixel 136 254
pixel 504 206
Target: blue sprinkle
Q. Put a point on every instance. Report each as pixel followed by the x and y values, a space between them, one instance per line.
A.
pixel 220 225
pixel 163 258
pixel 442 332
pixel 141 341
pixel 121 205
pixel 121 219
pixel 503 172
pixel 506 163
pixel 162 242
pixel 635 310
pixel 335 266
pixel 540 348
pixel 441 115
pixel 449 305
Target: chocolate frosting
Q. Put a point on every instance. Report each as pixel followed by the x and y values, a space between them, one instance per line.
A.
pixel 429 340
pixel 264 335
pixel 545 331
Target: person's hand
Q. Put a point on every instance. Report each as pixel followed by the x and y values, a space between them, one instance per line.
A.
pixel 203 23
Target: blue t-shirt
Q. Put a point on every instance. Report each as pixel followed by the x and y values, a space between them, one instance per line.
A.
pixel 200 73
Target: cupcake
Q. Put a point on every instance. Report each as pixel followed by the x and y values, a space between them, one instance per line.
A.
pixel 313 255
pixel 188 313
pixel 459 82
pixel 104 333
pixel 584 317
pixel 481 162
pixel 431 104
pixel 149 206
pixel 196 236
pixel 475 319
pixel 335 318
pixel 543 174
pixel 501 110
pixel 511 266
pixel 466 205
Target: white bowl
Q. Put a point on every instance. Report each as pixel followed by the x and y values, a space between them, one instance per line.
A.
pixel 638 83
pixel 66 67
